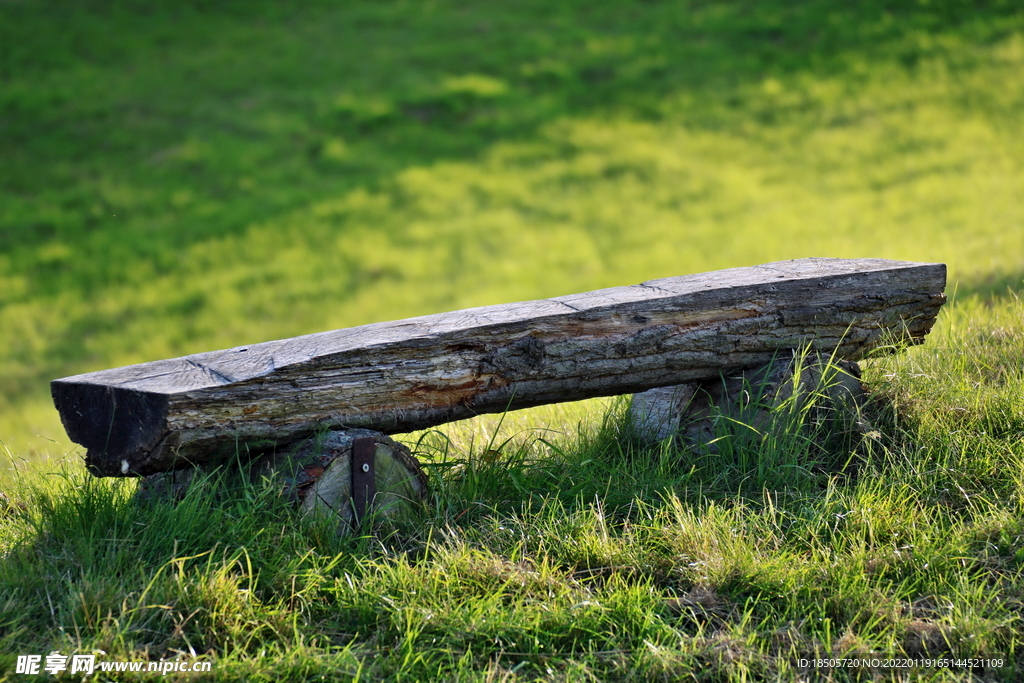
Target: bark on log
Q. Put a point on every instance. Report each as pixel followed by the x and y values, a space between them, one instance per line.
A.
pixel 416 373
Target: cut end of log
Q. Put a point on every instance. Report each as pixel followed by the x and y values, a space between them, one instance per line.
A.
pixel 326 486
pixel 118 428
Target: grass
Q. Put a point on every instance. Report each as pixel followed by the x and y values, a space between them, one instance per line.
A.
pixel 178 177
pixel 578 554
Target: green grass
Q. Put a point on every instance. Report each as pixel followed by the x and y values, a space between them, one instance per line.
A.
pixel 578 554
pixel 185 176
pixel 180 177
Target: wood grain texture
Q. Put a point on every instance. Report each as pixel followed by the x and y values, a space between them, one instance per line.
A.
pixel 399 482
pixel 416 373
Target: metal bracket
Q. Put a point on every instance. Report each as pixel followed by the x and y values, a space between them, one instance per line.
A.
pixel 364 480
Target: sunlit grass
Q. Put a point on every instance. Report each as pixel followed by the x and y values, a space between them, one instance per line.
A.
pixel 191 239
pixel 185 176
pixel 574 553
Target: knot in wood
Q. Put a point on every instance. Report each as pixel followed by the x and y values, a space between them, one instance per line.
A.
pixel 645 341
pixel 524 356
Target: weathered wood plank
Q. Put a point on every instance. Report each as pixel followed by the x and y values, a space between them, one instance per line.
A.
pixel 411 374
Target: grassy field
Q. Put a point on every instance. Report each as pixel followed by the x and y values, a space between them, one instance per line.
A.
pixel 577 555
pixel 184 176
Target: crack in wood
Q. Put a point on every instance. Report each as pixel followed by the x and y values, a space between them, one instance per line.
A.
pixel 654 288
pixel 222 377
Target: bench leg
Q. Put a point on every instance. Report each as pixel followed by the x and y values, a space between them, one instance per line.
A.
pixel 686 412
pixel 353 476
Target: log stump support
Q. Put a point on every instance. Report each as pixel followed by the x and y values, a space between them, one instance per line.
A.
pixel 353 476
pixel 686 413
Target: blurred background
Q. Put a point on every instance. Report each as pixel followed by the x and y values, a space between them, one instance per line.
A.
pixel 186 175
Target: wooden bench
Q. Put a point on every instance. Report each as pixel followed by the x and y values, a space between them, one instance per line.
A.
pixel 412 374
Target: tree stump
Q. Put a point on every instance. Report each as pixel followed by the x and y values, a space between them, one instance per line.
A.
pixel 328 485
pixel 318 476
pixel 687 412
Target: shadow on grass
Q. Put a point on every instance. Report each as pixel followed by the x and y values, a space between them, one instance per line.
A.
pixel 793 453
pixel 606 542
pixel 207 573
